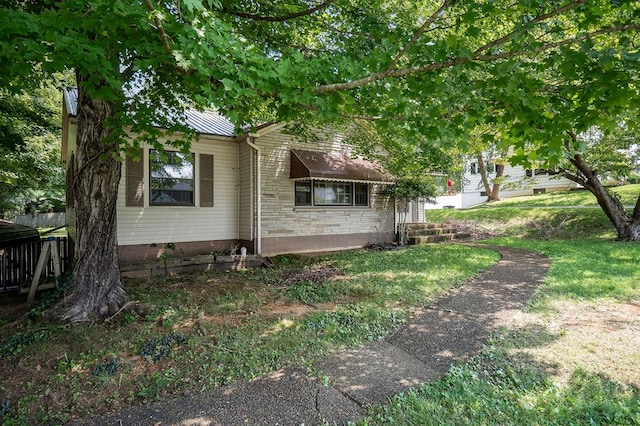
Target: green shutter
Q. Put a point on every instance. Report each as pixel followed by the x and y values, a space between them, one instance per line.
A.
pixel 206 180
pixel 135 180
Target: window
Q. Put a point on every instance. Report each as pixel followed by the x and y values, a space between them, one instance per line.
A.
pixel 171 178
pixel 474 168
pixel 536 172
pixel 362 194
pixel 303 193
pixel 330 193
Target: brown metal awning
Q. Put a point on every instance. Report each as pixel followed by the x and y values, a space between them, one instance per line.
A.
pixel 330 166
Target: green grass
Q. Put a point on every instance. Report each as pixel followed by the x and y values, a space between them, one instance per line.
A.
pixel 628 195
pixel 199 331
pixel 500 386
pixel 494 389
pixel 585 269
pixel 203 330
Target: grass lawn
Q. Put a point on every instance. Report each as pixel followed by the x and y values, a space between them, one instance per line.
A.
pixel 201 330
pixel 628 195
pixel 570 358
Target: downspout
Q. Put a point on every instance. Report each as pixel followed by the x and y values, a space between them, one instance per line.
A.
pixel 258 196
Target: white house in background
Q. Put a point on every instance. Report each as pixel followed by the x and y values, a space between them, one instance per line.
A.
pixel 269 191
pixel 518 181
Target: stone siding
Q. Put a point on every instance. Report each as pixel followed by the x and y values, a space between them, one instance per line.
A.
pixel 281 218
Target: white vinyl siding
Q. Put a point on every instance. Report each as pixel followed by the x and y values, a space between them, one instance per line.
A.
pixel 172 224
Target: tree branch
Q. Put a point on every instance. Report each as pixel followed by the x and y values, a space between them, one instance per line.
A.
pixel 327 88
pixel 573 177
pixel 419 33
pixel 279 18
pixel 565 42
pixel 536 20
pixel 159 27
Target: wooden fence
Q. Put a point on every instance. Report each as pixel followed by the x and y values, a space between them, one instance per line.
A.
pixel 41 220
pixel 18 264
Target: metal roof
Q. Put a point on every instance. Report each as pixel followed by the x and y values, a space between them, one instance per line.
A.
pixel 204 122
pixel 70 96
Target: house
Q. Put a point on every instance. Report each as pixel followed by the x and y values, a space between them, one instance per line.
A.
pixel 517 182
pixel 269 191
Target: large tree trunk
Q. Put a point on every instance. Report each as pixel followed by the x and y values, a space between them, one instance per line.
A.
pixel 627 228
pixel 98 290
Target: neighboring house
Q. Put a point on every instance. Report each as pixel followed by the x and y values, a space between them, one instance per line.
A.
pixel 517 182
pixel 268 191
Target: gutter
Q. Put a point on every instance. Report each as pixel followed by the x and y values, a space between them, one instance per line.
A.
pixel 258 181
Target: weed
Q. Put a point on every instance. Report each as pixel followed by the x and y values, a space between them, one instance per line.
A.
pixel 107 368
pixel 49 298
pixel 17 343
pixel 311 293
pixel 5 408
pixel 151 388
pixel 162 347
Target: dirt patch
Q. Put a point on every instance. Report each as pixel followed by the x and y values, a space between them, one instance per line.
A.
pixel 602 339
pixel 12 307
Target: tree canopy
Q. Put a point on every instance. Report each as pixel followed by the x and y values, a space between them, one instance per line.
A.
pixel 31 172
pixel 397 60
pixel 543 70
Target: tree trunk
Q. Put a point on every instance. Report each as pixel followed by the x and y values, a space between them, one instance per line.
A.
pixel 482 169
pixel 493 193
pixel 98 290
pixel 627 228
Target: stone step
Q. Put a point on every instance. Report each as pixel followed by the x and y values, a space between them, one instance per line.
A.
pixel 422 225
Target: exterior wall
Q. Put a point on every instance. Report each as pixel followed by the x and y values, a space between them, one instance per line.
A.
pixel 289 228
pixel 143 252
pixel 162 227
pixel 147 232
